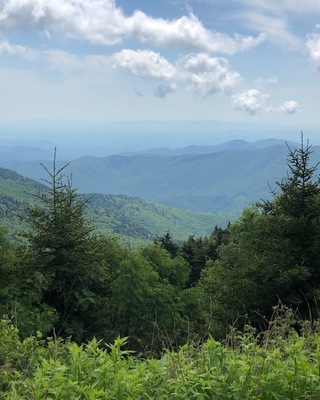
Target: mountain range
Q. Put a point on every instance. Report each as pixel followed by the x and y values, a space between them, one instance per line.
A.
pixel 221 178
pixel 236 144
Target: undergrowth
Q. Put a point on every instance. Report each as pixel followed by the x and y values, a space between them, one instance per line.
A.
pixel 282 362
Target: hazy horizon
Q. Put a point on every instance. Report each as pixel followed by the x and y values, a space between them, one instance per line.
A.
pixel 106 138
pixel 103 77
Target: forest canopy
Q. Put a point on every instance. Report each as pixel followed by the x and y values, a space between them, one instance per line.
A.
pixel 66 280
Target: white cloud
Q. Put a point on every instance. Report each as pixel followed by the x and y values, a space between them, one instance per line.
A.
pixel 208 75
pixel 276 19
pixel 252 101
pixel 165 88
pixel 313 47
pixel 102 22
pixel 205 75
pixel 16 50
pixel 280 7
pixel 274 27
pixel 289 107
pixel 98 21
pixel 144 63
pixel 186 32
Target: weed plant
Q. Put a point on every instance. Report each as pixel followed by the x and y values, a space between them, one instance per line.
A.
pixel 281 363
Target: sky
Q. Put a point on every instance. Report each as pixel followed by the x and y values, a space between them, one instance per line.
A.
pixel 246 61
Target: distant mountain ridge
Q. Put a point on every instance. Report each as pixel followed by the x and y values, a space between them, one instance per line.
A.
pixel 24 153
pixel 220 181
pixel 43 150
pixel 236 144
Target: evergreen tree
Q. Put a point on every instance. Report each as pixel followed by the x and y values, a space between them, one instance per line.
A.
pixel 297 205
pixel 274 250
pixel 168 244
pixel 198 251
pixel 64 252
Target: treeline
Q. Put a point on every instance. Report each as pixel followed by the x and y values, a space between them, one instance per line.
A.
pixel 65 280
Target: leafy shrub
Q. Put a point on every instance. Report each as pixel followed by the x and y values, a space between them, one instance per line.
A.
pixel 277 364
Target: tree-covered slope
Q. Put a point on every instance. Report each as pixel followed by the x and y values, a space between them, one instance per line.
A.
pixel 133 217
pixel 221 181
pixel 14 197
pixel 122 215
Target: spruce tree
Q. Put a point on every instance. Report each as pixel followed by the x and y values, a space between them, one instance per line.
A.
pixel 65 253
pixel 273 252
pixel 295 209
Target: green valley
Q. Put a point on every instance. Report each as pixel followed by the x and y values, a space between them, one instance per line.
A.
pixel 129 217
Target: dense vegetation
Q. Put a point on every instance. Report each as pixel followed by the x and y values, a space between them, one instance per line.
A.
pixel 276 365
pixel 131 219
pixel 70 283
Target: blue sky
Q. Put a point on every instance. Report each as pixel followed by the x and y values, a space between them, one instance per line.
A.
pixel 248 61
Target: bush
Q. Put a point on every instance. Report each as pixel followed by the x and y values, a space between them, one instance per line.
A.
pixel 275 364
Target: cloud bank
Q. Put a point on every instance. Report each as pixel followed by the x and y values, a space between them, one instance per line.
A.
pixel 102 22
pixel 183 52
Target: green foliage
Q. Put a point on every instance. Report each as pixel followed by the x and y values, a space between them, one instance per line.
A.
pixel 173 270
pixel 67 281
pixel 276 364
pixel 167 244
pixel 133 220
pixel 75 284
pixel 14 198
pixel 144 304
pixel 272 254
pixel 133 217
pixel 198 251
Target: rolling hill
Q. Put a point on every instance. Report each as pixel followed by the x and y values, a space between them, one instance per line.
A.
pixel 130 218
pixel 221 181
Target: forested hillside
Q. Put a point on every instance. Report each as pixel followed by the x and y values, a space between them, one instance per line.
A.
pixel 230 315
pixel 136 218
pixel 131 218
pixel 222 181
pixel 14 197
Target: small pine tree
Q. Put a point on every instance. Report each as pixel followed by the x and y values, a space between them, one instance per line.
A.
pixel 166 242
pixel 63 252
